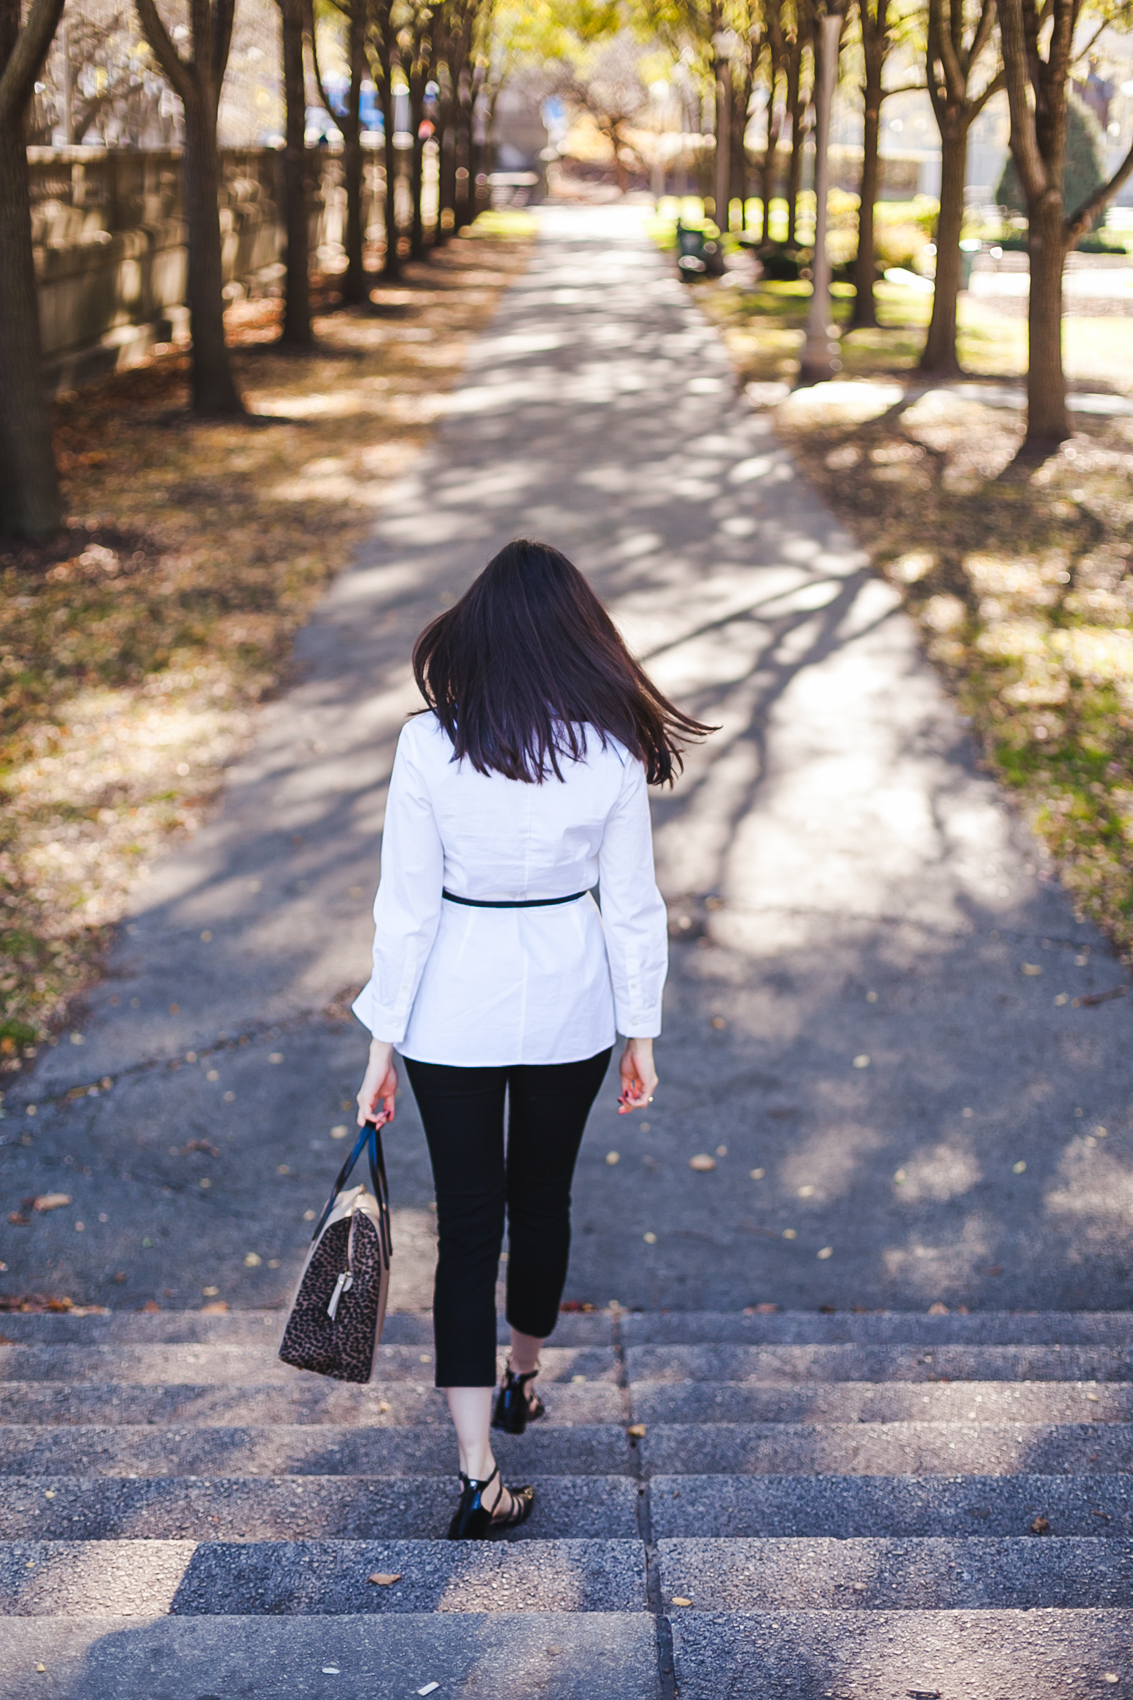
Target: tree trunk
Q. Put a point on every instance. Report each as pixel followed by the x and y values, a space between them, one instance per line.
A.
pixel 465 163
pixel 297 304
pixel 354 288
pixel 796 106
pixel 1047 418
pixel 865 304
pixel 391 270
pixel 940 345
pixel 30 504
pixel 214 386
pixel 446 174
pixel 417 168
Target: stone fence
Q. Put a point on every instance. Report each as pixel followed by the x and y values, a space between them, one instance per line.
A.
pixel 110 245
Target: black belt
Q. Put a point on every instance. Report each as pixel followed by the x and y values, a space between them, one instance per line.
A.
pixel 521 903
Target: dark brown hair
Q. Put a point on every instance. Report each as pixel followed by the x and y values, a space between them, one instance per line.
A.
pixel 526 659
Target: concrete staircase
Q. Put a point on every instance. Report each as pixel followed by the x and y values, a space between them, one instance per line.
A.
pixel 863 1507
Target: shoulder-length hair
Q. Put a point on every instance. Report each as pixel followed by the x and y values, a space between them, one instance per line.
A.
pixel 529 657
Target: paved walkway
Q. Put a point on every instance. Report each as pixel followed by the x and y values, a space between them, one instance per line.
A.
pixel 849 1015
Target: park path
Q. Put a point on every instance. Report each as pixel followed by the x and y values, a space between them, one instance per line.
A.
pixel 852 901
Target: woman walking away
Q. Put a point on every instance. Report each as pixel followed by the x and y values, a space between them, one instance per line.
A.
pixel 520 787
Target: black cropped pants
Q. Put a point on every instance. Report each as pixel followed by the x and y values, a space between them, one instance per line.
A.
pixel 477 1183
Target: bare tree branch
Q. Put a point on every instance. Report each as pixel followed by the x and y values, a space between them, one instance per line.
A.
pixel 1084 217
pixel 26 58
pixel 180 74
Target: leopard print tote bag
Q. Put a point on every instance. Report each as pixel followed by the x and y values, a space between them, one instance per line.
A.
pixel 340 1303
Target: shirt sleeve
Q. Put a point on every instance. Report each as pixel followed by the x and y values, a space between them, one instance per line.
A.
pixel 633 910
pixel 407 907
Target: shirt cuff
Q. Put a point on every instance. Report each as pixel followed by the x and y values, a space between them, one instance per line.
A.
pixel 383 1025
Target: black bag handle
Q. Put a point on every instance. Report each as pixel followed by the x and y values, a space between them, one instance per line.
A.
pixel 370 1136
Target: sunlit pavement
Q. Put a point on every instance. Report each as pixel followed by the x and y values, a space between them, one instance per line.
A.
pixel 874 1001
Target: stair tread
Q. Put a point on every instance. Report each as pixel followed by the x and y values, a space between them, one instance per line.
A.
pixel 853 1505
pixel 983 1655
pixel 895 1448
pixel 249 1327
pixel 803 1363
pixel 867 1401
pixel 989 1327
pixel 222 1578
pixel 299 1449
pixel 509 1655
pixel 312 1399
pixel 233 1364
pixel 891 1573
pixel 308 1507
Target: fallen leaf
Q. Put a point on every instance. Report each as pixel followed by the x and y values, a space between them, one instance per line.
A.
pixel 206 937
pixel 636 1431
pixel 1040 1526
pixel 807 1191
pixel 758 1174
pixel 578 1379
pixel 1018 1168
pixel 41 1668
pixel 613 1157
pixel 1031 969
pixel 1110 1676
pixel 900 1176
pixel 790 1233
pixel 428 1688
pixel 51 1201
pixel 339 1132
pixel 718 1022
pixel 204 1145
pixel 680 1600
pixel 252 1260
pixel 425 1358
pixel 650 1239
pixel 17 1220
pixel 276 1057
pixel 938 1309
pixel 151 1305
pixel 861 1061
pixel 215 1307
pixel 383 1405
pixel 827 1251
pixel 702 1162
pixel 721 1151
pixel 1092 999
pixel 385 1578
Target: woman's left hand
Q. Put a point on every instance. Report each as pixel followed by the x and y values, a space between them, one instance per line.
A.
pixel 378 1082
pixel 639 1077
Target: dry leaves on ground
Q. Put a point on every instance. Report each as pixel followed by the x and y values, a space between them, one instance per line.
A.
pixel 134 648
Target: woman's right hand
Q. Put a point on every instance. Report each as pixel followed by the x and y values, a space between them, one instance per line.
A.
pixel 379 1081
pixel 639 1077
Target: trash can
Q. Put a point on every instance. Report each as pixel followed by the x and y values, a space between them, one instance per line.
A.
pixel 690 252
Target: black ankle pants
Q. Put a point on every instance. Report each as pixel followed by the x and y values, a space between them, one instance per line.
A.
pixel 476 1183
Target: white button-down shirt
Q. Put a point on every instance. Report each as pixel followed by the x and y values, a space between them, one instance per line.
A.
pixel 492 987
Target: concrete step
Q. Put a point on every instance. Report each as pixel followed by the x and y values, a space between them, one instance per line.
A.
pixel 298 1578
pixel 901 1327
pixel 980 1573
pixel 249 1327
pixel 857 1506
pixel 962 1655
pixel 306 1399
pixel 509 1656
pixel 265 1508
pixel 862 1402
pixel 233 1365
pixel 289 1449
pixel 886 1449
pixel 781 1365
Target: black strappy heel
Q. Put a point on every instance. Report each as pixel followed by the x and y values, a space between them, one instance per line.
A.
pixel 472 1521
pixel 514 1410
